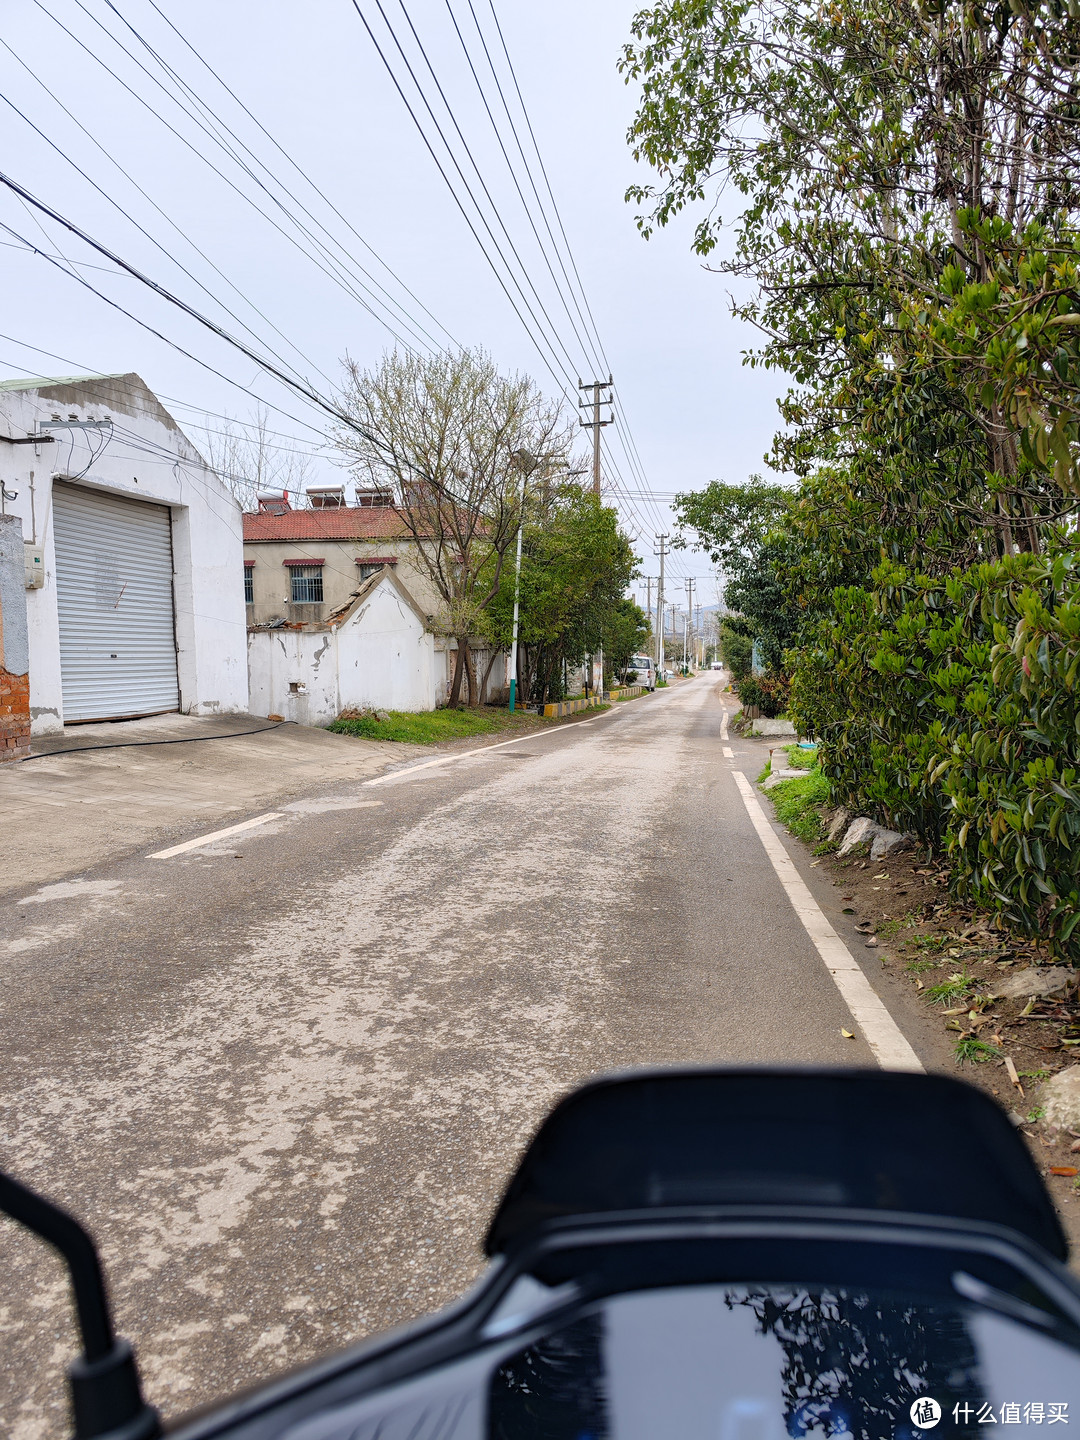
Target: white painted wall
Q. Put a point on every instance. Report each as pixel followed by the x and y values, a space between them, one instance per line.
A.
pixel 147 458
pixel 379 656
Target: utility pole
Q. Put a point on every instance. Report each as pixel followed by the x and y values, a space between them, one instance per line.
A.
pixel 595 424
pixel 662 553
pixel 691 586
pixel 648 604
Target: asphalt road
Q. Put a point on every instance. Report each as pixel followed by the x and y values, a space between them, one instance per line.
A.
pixel 285 1078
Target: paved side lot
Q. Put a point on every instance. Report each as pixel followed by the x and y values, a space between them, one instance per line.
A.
pixel 64 813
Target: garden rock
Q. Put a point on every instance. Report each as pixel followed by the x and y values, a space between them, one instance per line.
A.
pixel 1059 1100
pixel 1034 982
pixel 863 829
pixel 840 821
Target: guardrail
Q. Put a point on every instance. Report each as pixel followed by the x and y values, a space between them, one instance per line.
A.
pixel 626 692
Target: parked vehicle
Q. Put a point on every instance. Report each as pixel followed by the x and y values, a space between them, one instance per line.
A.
pixel 697 1253
pixel 644 671
pixel 716 665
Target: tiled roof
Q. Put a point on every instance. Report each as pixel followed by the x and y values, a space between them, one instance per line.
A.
pixel 356 522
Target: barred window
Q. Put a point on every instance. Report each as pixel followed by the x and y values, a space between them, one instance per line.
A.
pixel 306 584
pixel 249 586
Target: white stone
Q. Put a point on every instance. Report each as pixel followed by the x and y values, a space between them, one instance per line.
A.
pixel 839 823
pixel 861 829
pixel 884 841
pixel 1059 1100
pixel 1033 982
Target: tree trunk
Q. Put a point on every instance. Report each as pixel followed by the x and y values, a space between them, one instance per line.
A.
pixel 459 671
pixel 470 671
pixel 487 672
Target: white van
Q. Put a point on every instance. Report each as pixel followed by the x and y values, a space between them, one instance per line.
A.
pixel 645 670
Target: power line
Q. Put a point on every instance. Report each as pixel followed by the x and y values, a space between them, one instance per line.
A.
pixel 302 173
pixel 333 275
pixel 300 387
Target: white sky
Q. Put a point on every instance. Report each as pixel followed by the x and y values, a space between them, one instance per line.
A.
pixel 311 76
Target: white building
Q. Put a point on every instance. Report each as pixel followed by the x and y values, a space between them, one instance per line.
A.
pixel 375 653
pixel 135 601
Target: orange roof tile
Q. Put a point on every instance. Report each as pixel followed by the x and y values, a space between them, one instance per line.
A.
pixel 355 522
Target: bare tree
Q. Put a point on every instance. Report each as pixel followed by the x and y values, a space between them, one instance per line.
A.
pixel 249 461
pixel 452 437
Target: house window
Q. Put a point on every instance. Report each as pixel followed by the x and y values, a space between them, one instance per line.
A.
pixel 365 571
pixel 249 585
pixel 306 584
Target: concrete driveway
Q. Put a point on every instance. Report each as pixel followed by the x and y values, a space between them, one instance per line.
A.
pixel 73 804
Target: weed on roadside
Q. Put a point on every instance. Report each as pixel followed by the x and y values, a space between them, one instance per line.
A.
pixel 765 773
pixel 970 1050
pixel 430 726
pixel 920 967
pixel 800 759
pixel 951 989
pixel 799 803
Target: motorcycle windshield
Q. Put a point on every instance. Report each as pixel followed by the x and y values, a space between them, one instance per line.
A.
pixel 738 1362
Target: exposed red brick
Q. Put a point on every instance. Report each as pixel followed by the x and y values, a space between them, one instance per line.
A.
pixel 14 715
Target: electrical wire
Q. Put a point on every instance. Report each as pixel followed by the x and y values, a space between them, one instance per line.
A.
pixel 210 117
pixel 301 172
pixel 302 388
pixel 336 278
pixel 157 244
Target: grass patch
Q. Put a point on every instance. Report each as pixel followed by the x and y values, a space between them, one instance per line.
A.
pixel 970 1050
pixel 930 942
pixel 799 804
pixel 765 773
pixel 891 928
pixel 1037 1075
pixel 920 967
pixel 429 726
pixel 800 759
pixel 952 989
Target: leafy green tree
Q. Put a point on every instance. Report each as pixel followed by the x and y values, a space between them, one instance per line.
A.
pixel 867 146
pixel 576 564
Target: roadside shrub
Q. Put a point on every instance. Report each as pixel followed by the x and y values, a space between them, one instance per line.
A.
pixel 769 693
pixel 948 707
pixel 736 650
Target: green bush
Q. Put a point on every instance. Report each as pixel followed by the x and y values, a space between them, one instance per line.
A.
pixel 768 693
pixel 736 650
pixel 948 707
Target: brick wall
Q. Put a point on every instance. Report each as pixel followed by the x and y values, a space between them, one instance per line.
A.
pixel 14 715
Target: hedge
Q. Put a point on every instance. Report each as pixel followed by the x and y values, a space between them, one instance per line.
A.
pixel 947 707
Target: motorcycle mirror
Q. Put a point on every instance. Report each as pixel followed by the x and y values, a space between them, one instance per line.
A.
pixel 106 1397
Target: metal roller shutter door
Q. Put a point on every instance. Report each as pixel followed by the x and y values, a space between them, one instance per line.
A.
pixel 114 590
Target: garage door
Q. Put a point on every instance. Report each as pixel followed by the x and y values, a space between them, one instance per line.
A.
pixel 114 588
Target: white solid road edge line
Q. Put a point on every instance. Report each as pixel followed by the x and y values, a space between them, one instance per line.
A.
pixel 880 1030
pixel 215 835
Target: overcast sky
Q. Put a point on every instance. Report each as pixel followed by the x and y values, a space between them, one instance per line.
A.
pixel 310 74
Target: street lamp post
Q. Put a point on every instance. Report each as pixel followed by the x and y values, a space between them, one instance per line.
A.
pixel 527 463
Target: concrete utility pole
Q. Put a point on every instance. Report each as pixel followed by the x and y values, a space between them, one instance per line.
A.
pixel 648 604
pixel 595 424
pixel 691 586
pixel 662 553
